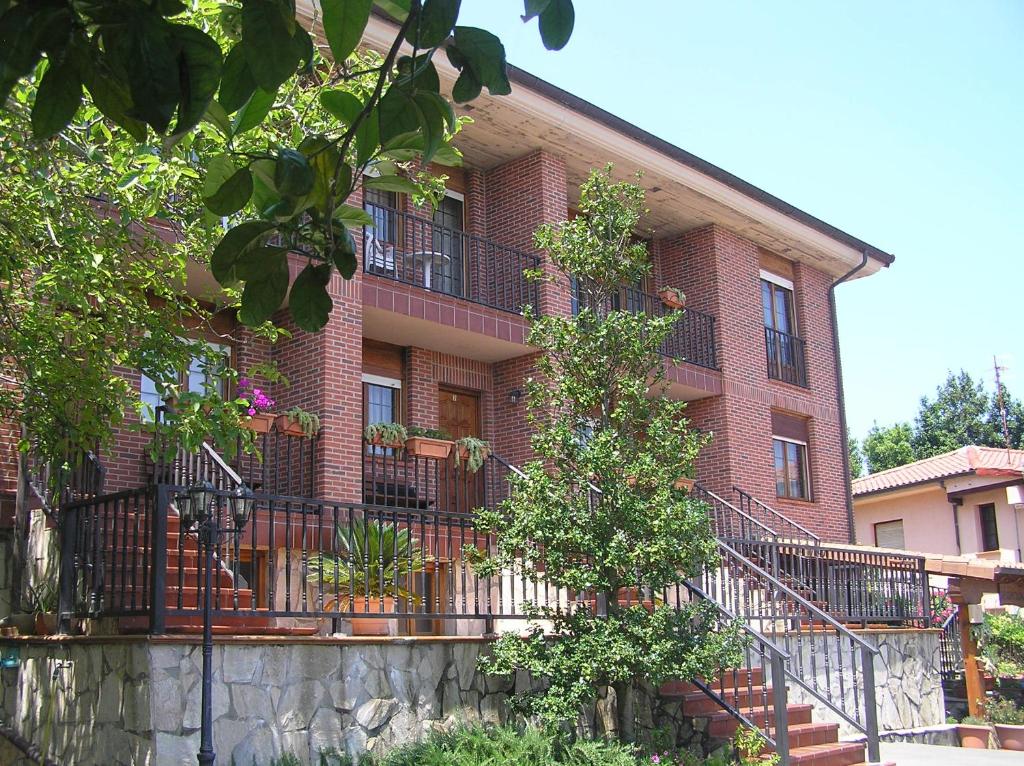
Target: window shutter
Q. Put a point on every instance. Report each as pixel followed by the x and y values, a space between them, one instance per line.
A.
pixel 889 534
pixel 789 427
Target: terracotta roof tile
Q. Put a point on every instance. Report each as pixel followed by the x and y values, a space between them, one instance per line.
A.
pixel 983 461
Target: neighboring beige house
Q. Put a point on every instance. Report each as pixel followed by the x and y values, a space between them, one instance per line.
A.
pixel 966 502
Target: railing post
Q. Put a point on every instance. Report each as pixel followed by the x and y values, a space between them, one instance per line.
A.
pixel 926 611
pixel 66 591
pixel 779 701
pixel 158 547
pixel 867 659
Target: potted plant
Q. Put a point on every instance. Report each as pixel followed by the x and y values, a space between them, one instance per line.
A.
pixel 1009 722
pixel 429 442
pixel 373 564
pixel 686 481
pixel 672 297
pixel 391 435
pixel 473 451
pixel 257 406
pixel 44 600
pixel 974 733
pixel 297 422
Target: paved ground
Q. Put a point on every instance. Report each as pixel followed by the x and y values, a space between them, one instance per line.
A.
pixel 907 754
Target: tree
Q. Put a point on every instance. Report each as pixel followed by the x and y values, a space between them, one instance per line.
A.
pixel 888 447
pixel 1014 410
pixel 597 513
pixel 159 68
pixel 957 417
pixel 856 456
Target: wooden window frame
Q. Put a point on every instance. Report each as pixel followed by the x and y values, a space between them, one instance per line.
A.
pixel 903 531
pixel 786 284
pixel 803 452
pixel 983 508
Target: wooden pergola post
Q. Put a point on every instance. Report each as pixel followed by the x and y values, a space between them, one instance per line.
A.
pixel 973 678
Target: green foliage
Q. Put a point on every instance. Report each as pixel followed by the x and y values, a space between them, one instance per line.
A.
pixel 372 560
pixel 308 422
pixel 172 69
pixel 476 449
pixel 430 433
pixel 1003 711
pixel 855 454
pixel 889 447
pixel 961 414
pixel 1001 638
pixel 599 412
pixel 392 434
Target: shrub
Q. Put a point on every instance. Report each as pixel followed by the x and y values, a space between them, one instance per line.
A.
pixel 1002 642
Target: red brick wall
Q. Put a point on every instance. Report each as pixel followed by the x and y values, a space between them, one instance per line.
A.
pixel 719 272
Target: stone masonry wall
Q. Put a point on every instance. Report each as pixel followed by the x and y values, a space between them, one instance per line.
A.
pixel 138 702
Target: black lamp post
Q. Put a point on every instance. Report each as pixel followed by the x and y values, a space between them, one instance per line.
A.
pixel 198 510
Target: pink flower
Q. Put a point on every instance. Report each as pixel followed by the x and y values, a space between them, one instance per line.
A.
pixel 655 758
pixel 252 410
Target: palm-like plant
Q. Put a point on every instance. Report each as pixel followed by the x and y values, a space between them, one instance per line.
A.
pixel 373 560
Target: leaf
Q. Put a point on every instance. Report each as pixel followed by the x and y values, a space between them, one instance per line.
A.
pixel 344 254
pixel 216 116
pixel 255 262
pixel 232 245
pixel 448 156
pixel 485 55
pixel 341 104
pixel 236 84
pixel 391 183
pixel 534 8
pixel 293 175
pixel 435 112
pixel 344 22
pixel 267 31
pixel 556 24
pixel 254 111
pixel 199 63
pixel 399 114
pixel 262 297
pixel 434 24
pixel 309 302
pixel 397 9
pixel 467 87
pixel 145 50
pixel 232 195
pixel 352 217
pixel 368 137
pixel 57 100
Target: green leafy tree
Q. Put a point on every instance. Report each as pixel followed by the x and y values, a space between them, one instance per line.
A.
pixel 598 512
pixel 157 68
pixel 956 417
pixel 1014 410
pixel 855 454
pixel 888 447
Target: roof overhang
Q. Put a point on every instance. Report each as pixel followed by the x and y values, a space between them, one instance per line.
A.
pixel 684 192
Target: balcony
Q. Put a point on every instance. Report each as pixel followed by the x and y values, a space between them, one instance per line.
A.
pixel 786 357
pixel 693 336
pixel 416 251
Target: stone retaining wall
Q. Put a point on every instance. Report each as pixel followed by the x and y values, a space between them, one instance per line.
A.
pixel 138 702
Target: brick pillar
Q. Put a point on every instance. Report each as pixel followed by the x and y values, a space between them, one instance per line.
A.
pixel 420 388
pixel 325 370
pixel 521 195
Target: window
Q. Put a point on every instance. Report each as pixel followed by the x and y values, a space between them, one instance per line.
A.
pixel 203 376
pixel 889 534
pixel 777 300
pixel 449 223
pixel 989 527
pixel 380 239
pixel 381 404
pixel 791 469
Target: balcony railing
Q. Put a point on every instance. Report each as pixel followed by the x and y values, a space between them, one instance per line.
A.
pixel 448 261
pixel 786 359
pixel 693 336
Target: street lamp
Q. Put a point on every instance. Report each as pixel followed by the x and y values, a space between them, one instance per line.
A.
pixel 197 507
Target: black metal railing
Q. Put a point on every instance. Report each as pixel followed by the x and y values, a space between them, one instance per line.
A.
pixel 943 615
pixel 784 527
pixel 693 336
pixel 786 357
pixel 55 482
pixel 280 463
pixel 449 261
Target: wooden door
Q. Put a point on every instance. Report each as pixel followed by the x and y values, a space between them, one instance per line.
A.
pixel 459 415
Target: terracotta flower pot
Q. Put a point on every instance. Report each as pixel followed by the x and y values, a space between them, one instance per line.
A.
pixel 685 484
pixel 261 422
pixel 1011 736
pixel 286 425
pixel 45 623
pixel 424 446
pixel 671 299
pixel 376 625
pixel 377 441
pixel 974 736
pixel 464 453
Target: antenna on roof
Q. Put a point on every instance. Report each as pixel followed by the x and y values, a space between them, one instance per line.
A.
pixel 1002 405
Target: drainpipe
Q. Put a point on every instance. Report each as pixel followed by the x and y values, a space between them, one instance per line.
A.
pixel 955 503
pixel 839 387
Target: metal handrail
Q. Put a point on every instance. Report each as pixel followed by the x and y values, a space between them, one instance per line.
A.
pixel 699 490
pixel 771 512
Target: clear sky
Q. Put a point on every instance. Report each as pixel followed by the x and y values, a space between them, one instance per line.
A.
pixel 901 123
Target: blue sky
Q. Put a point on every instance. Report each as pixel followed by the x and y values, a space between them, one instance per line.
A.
pixel 900 123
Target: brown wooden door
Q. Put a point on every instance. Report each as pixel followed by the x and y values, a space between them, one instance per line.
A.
pixel 459 415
